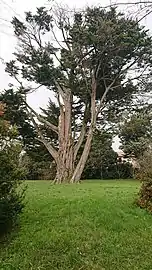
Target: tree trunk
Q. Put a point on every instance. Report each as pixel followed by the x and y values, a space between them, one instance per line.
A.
pixel 66 171
pixel 81 164
pixel 65 167
pixel 65 160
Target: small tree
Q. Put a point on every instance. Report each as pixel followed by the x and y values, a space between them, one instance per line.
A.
pixel 11 199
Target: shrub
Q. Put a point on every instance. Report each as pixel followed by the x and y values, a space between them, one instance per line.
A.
pixel 11 195
pixel 145 175
pixel 145 196
pixel 38 170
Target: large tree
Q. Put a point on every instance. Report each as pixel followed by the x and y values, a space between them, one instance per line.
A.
pixel 90 60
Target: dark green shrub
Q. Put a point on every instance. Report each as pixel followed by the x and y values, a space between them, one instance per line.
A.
pixel 124 170
pixel 145 195
pixel 10 207
pixel 11 193
pixel 38 170
pixel 145 175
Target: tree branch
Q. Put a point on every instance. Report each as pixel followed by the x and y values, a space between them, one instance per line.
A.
pixel 128 3
pixel 80 140
pixel 42 139
pixel 41 119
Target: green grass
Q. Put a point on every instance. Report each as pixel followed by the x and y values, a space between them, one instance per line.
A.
pixel 91 226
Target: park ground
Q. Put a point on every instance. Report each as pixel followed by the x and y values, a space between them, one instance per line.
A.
pixel 94 225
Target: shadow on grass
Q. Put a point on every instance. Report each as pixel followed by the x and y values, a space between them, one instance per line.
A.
pixel 9 235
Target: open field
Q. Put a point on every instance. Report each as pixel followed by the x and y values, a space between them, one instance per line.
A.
pixel 91 226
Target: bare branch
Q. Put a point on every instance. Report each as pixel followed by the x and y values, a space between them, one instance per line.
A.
pixel 104 95
pixel 84 55
pixel 127 3
pixel 65 40
pixel 58 42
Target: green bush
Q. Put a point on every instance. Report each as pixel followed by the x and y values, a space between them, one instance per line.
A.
pixel 145 175
pixel 11 173
pixel 145 196
pixel 11 193
pixel 10 207
pixel 38 170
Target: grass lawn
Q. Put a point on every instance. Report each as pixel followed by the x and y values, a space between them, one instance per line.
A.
pixel 91 226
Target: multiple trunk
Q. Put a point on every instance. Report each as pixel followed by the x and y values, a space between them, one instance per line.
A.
pixel 69 169
pixel 65 160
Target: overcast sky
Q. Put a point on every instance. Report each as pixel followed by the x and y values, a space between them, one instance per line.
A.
pixel 10 8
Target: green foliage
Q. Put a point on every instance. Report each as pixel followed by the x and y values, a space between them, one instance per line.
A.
pixel 145 196
pixel 16 114
pixel 102 162
pixel 11 198
pixel 123 170
pixel 136 137
pixel 136 134
pixel 38 169
pixel 145 175
pixel 35 166
pixel 102 158
pixel 91 226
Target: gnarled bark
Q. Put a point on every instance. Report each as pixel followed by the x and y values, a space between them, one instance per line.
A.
pixel 65 160
pixel 81 164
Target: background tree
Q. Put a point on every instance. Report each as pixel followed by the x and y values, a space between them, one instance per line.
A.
pixel 16 113
pixel 102 159
pixel 86 66
pixel 136 137
pixel 136 133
